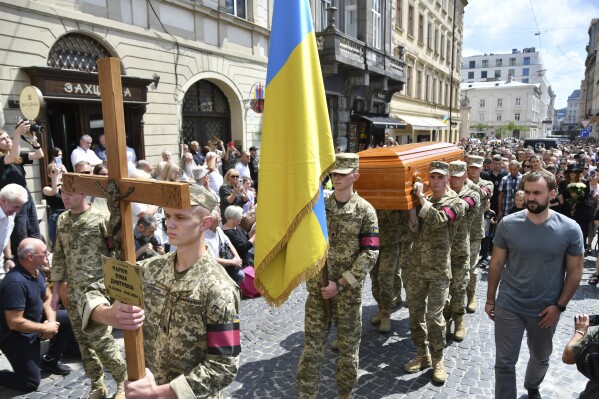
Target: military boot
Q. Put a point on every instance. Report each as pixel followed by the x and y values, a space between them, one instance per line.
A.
pixel 447 328
pixel 439 373
pixel 460 328
pixel 385 324
pixel 420 362
pixel 472 305
pixel 98 392
pixel 120 391
pixel 376 319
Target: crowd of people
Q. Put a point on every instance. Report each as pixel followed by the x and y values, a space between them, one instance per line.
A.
pixel 533 210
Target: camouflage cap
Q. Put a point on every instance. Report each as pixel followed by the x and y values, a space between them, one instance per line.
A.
pixel 457 168
pixel 199 195
pixel 475 160
pixel 345 163
pixel 438 167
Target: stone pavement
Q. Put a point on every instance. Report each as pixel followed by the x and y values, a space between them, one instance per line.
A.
pixel 272 342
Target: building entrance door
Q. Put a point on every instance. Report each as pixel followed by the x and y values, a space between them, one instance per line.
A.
pixel 206 114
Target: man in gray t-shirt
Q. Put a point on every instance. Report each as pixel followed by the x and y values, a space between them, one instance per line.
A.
pixel 538 255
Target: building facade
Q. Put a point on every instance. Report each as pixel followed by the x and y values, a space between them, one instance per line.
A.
pixel 589 93
pixel 572 119
pixel 524 66
pixel 190 70
pixel 429 35
pixel 503 109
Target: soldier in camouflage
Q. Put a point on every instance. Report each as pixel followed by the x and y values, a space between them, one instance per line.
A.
pixel 354 247
pixel 429 271
pixel 384 272
pixel 405 247
pixel 460 250
pixel 81 240
pixel 477 227
pixel 191 327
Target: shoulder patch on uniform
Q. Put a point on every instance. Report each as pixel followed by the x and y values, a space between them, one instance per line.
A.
pixel 224 339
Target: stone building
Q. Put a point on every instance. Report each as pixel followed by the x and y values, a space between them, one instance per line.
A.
pixel 589 93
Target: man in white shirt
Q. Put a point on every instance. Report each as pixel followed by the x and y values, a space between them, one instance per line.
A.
pixel 84 153
pixel 12 198
pixel 216 241
pixel 243 165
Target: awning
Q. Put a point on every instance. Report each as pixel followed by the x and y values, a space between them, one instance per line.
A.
pixel 384 122
pixel 422 122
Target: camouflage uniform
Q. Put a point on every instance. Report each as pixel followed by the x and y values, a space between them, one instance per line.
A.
pixel 384 272
pixel 477 226
pixel 77 260
pixel 429 272
pixel 405 248
pixel 460 250
pixel 353 238
pixel 191 330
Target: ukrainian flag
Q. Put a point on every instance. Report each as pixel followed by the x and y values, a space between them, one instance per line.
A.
pixel 296 154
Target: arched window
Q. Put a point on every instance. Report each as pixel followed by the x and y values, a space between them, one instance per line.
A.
pixel 77 52
pixel 206 113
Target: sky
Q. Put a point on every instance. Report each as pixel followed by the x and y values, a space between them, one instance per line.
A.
pixel 498 26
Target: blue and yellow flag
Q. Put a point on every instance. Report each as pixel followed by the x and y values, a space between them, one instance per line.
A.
pixel 296 154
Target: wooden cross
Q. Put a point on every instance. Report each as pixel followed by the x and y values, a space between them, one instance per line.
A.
pixel 165 194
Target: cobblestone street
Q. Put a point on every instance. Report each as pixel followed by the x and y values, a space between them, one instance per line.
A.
pixel 273 338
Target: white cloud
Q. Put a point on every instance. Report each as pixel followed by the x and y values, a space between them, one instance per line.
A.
pixel 492 26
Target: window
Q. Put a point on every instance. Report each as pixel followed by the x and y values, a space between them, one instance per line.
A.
pixel 429 34
pixel 498 62
pixel 517 100
pixel 511 72
pixel 513 61
pixel 470 75
pixel 237 8
pixel 351 18
pixel 376 24
pixel 485 63
pixel 411 20
pixel 481 117
pixel 446 94
pixel 324 22
pixel 442 47
pixel 500 102
pixel 483 74
pixel 525 71
pixel 526 61
pixel 399 14
pixel 525 80
pixel 419 85
pixel 472 64
pixel 498 117
pixel 409 91
pixel 436 42
pixel 498 73
pixel 427 91
pixel 517 116
pixel 448 52
pixel 482 103
pixel 421 28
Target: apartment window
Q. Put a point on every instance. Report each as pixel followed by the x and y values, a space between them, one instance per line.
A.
pixel 517 100
pixel 440 95
pixel 448 52
pixel 436 42
pixel 498 117
pixel 513 61
pixel 483 74
pixel 485 63
pixel 324 4
pixel 498 73
pixel 237 8
pixel 481 117
pixel 399 14
pixel 421 28
pixel 411 20
pixel 526 61
pixel 409 91
pixel 517 116
pixel 482 103
pixel 376 24
pixel 511 72
pixel 442 47
pixel 351 18
pixel 525 80
pixel 419 85
pixel 499 62
pixel 427 86
pixel 429 33
pixel 446 94
pixel 470 75
pixel 500 102
pixel 434 96
pixel 525 71
pixel 472 64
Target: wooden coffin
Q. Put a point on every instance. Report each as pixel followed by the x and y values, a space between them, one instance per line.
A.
pixel 388 174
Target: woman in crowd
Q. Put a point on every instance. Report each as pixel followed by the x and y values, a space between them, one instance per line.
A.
pixel 241 240
pixel 53 198
pixel 215 179
pixel 251 194
pixel 12 160
pixel 231 192
pixel 170 172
